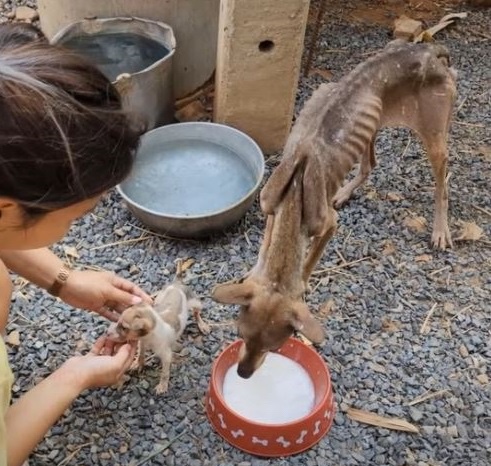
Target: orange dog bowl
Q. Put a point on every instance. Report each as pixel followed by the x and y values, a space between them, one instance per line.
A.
pixel 272 440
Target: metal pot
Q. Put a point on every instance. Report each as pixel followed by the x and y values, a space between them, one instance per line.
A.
pixel 146 86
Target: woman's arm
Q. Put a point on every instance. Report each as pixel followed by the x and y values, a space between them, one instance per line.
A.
pixel 29 418
pixel 5 295
pixel 102 292
pixel 39 266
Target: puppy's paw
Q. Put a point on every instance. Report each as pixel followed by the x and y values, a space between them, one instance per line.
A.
pixel 162 388
pixel 136 366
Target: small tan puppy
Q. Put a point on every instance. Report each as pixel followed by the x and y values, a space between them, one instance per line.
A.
pixel 158 327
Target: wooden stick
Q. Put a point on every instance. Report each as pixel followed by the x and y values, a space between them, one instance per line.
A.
pixel 427 396
pixel 342 266
pixel 73 454
pixel 482 209
pixel 406 148
pixel 118 243
pixel 160 235
pixel 343 260
pixel 464 123
pixel 161 449
pixel 461 104
pixel 424 329
pixel 439 270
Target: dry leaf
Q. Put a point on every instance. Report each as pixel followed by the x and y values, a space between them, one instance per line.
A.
pixel 389 325
pixel 305 340
pixel 452 16
pixel 194 111
pixel 372 195
pixel 470 232
pixel 449 308
pixel 326 74
pixel 377 368
pixel 423 258
pixel 13 338
pixel 328 308
pixel 186 264
pixel 389 248
pixel 391 196
pixel 485 151
pixel 442 24
pixel 372 419
pixel 71 251
pixel 416 223
pixel 483 379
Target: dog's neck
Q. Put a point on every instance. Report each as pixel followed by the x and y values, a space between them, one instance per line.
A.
pixel 280 268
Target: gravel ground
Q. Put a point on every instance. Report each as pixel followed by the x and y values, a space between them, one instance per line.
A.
pixel 379 359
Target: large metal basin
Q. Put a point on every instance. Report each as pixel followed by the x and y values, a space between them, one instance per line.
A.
pixel 191 180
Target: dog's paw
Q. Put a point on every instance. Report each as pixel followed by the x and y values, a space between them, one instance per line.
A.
pixel 441 239
pixel 136 366
pixel 162 388
pixel 341 198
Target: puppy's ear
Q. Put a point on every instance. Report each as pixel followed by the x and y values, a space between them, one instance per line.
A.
pixel 315 207
pixel 234 293
pixel 302 320
pixel 274 189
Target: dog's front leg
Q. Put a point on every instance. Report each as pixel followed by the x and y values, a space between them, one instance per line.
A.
pixel 165 359
pixel 195 306
pixel 139 361
pixel 318 246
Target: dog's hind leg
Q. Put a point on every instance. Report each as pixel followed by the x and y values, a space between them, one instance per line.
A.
pixel 433 127
pixel 367 164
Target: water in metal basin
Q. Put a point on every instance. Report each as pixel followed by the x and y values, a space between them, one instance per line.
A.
pixel 189 178
pixel 117 53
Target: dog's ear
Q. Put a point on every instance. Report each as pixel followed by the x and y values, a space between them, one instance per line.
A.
pixel 234 293
pixel 274 189
pixel 315 207
pixel 302 320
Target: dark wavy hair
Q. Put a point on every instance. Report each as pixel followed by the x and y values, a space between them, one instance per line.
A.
pixel 63 135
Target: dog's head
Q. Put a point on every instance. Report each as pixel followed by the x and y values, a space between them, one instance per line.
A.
pixel 266 320
pixel 135 322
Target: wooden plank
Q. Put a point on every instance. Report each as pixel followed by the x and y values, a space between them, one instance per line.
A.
pixel 195 25
pixel 260 45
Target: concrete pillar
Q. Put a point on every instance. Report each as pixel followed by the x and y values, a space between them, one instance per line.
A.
pixel 260 45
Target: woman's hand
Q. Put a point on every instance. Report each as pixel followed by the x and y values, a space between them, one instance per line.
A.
pixel 103 366
pixel 101 292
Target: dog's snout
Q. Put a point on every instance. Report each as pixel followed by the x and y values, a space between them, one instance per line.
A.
pixel 244 371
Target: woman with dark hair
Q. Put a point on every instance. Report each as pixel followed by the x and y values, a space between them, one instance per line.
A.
pixel 64 141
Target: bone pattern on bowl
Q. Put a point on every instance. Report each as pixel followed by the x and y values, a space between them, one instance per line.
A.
pixel 266 439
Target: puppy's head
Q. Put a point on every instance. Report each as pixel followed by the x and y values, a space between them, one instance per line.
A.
pixel 135 322
pixel 266 321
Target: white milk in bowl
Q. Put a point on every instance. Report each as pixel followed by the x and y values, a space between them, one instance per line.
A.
pixel 280 391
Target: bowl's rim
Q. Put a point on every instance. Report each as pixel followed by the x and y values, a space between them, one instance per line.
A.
pixel 210 214
pixel 315 410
